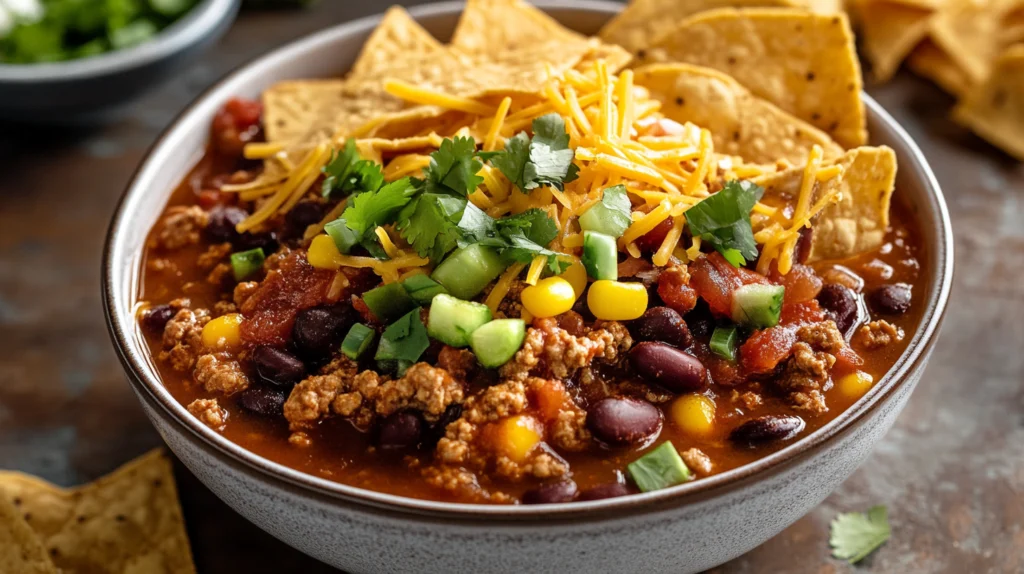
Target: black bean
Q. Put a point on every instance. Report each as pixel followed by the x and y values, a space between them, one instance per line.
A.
pixel 266 241
pixel 399 430
pixel 263 400
pixel 223 219
pixel 277 366
pixel 318 331
pixel 156 317
pixel 668 367
pixel 623 421
pixel 700 320
pixel 662 324
pixel 602 491
pixel 803 245
pixel 551 493
pixel 840 302
pixel 891 299
pixel 766 429
pixel 304 214
pixel 437 430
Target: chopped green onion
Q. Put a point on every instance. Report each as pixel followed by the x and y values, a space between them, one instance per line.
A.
pixel 357 341
pixel 422 288
pixel 388 302
pixel 723 342
pixel 344 238
pixel 659 468
pixel 246 263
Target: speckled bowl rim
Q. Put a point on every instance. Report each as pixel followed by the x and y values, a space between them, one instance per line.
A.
pixel 184 32
pixel 144 378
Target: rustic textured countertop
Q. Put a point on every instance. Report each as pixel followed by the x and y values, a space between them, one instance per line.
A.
pixel 951 471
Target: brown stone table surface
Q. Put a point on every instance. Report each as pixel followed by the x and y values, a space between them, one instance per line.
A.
pixel 951 471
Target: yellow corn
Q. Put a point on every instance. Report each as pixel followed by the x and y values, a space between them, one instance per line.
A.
pixel 693 414
pixel 615 301
pixel 549 297
pixel 576 275
pixel 517 436
pixel 854 385
pixel 224 332
pixel 323 253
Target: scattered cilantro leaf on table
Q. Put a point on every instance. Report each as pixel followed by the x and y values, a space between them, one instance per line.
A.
pixel 723 221
pixel 854 535
pixel 347 172
pixel 546 159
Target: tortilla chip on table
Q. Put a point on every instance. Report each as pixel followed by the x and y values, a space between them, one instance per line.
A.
pixel 740 123
pixel 995 109
pixel 930 61
pixel 889 30
pixel 21 551
pixel 126 522
pixel 802 62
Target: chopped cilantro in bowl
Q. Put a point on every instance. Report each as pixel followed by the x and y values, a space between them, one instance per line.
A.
pixel 35 31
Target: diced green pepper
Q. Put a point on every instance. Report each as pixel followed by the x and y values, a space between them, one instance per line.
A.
pixel 659 468
pixel 723 342
pixel 246 263
pixel 359 338
pixel 388 302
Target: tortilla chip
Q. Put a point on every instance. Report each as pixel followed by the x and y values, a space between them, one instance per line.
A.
pixel 804 63
pixel 290 109
pixel 493 27
pixel 644 20
pixel 740 123
pixel 398 38
pixel 995 109
pixel 889 30
pixel 929 61
pixel 45 507
pixel 857 222
pixel 21 551
pixel 969 32
pixel 126 522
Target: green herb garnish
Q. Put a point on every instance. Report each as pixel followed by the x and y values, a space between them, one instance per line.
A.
pixel 546 159
pixel 370 209
pixel 347 173
pixel 856 534
pixel 611 215
pixel 403 340
pixel 723 221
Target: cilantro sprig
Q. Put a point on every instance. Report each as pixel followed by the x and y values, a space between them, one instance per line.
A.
pixel 854 535
pixel 518 237
pixel 545 159
pixel 723 221
pixel 347 173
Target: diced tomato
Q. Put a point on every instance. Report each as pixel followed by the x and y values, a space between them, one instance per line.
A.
pixel 801 283
pixel 270 312
pixel 765 349
pixel 210 198
pixel 246 113
pixel 235 125
pixel 675 291
pixel 847 361
pixel 549 398
pixel 651 241
pixel 715 279
pixel 801 313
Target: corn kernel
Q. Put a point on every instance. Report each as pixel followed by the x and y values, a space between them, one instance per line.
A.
pixel 549 297
pixel 224 332
pixel 517 436
pixel 854 385
pixel 576 275
pixel 693 414
pixel 615 301
pixel 323 253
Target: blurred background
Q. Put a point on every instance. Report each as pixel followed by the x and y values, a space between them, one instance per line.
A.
pixel 951 471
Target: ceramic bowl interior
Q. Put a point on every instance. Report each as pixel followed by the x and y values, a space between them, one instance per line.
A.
pixel 330 53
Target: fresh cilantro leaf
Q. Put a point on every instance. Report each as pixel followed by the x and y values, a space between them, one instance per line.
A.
pixel 723 220
pixel 453 167
pixel 372 208
pixel 544 160
pixel 854 535
pixel 523 250
pixel 403 340
pixel 347 173
pixel 475 226
pixel 534 224
pixel 429 223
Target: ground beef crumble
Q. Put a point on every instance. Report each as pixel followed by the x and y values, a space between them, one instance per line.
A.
pixel 182 226
pixel 213 255
pixel 878 334
pixel 552 352
pixel 806 374
pixel 220 373
pixel 209 413
pixel 697 461
pixel 182 338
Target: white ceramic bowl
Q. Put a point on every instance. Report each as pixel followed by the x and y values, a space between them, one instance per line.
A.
pixel 90 88
pixel 687 528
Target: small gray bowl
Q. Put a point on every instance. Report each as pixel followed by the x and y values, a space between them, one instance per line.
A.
pixel 89 88
pixel 686 528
